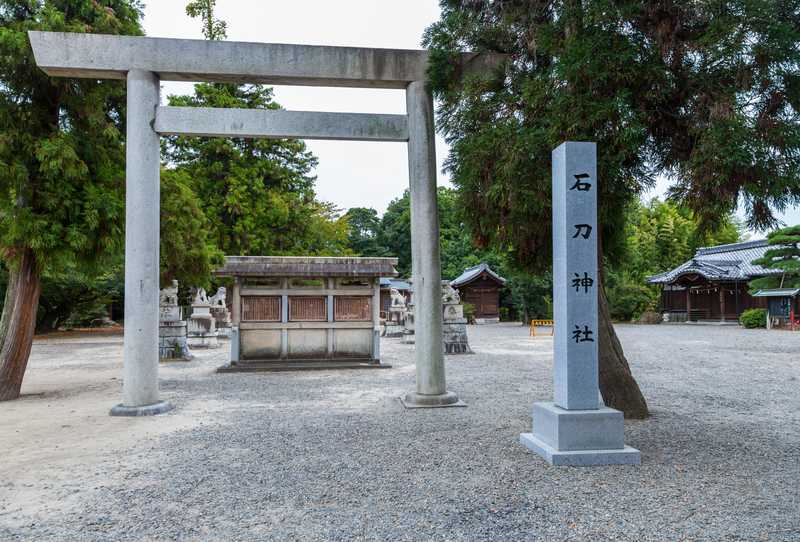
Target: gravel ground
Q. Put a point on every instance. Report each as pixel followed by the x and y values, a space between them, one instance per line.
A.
pixel 332 455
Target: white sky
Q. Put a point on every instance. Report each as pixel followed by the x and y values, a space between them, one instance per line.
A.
pixel 350 174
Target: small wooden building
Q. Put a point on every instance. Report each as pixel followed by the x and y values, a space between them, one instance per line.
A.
pixel 480 287
pixel 713 284
pixel 782 306
pixel 308 310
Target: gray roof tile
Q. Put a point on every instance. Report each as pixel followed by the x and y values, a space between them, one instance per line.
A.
pixel 724 262
pixel 472 273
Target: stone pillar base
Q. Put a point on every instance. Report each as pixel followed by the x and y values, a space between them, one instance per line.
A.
pixel 147 410
pixel 579 437
pixel 392 330
pixel 418 400
pixel 454 337
pixel 203 341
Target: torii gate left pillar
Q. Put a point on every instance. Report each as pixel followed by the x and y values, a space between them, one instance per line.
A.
pixel 140 396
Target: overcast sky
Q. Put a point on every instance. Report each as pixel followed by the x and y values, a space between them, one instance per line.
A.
pixel 350 174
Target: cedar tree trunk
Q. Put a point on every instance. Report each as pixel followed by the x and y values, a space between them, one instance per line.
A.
pixel 617 385
pixel 18 323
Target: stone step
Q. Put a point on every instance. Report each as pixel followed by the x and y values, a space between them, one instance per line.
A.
pixel 256 366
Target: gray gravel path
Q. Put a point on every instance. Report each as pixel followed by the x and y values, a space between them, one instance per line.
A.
pixel 333 456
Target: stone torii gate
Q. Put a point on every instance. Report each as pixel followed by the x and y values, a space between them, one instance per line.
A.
pixel 145 62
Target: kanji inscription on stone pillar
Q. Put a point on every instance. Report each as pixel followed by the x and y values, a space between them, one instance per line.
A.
pixel 575 275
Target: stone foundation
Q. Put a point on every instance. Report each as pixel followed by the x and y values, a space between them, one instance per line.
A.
pixel 202 328
pixel 172 344
pixel 393 329
pixel 454 337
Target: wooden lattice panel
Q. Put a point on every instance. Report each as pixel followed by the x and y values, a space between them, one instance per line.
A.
pixel 307 309
pixel 261 308
pixel 352 309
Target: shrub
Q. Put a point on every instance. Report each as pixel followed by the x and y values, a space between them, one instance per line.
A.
pixel 469 312
pixel 628 300
pixel 753 318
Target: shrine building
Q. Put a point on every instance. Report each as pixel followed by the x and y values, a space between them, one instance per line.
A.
pixel 712 286
pixel 480 286
pixel 318 312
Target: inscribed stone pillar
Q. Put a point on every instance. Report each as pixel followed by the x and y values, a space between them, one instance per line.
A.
pixel 140 396
pixel 426 272
pixel 575 376
pixel 576 429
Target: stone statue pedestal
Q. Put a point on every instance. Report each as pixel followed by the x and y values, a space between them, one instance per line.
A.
pixel 172 330
pixel 408 328
pixel 202 331
pixel 454 325
pixel 220 312
pixel 394 326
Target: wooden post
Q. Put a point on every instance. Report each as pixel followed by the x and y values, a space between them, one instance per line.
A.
pixel 688 304
pixel 721 303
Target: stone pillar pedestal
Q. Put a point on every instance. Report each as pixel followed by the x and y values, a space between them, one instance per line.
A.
pixel 579 437
pixel 172 341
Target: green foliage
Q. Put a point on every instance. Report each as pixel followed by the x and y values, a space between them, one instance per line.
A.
pixel 706 95
pixel 754 318
pixel 784 256
pixel 62 156
pixel 71 298
pixel 395 233
pixel 628 298
pixel 213 28
pixel 187 253
pixel 74 299
pixel 258 194
pixel 469 312
pixel 530 295
pixel 364 227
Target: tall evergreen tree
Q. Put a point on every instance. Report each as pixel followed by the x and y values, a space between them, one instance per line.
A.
pixel 61 163
pixel 706 93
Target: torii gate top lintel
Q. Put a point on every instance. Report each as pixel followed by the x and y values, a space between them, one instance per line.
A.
pixel 102 56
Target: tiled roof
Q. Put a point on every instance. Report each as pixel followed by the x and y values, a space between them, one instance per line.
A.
pixel 307 266
pixel 778 292
pixel 398 284
pixel 723 262
pixel 473 272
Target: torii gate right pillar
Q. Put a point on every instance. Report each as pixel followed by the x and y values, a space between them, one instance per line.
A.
pixel 431 390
